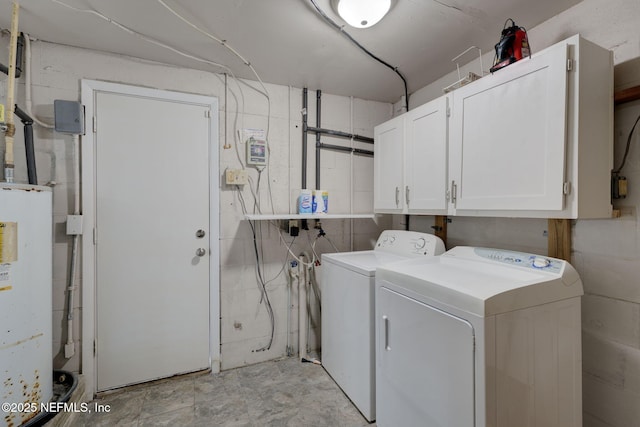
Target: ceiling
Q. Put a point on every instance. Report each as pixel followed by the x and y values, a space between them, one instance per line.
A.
pixel 287 41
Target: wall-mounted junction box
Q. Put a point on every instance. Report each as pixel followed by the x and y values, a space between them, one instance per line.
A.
pixel 74 225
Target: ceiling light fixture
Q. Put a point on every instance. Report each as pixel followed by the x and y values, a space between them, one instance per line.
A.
pixel 362 13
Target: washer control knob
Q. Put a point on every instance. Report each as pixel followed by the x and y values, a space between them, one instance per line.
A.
pixel 420 243
pixel 539 262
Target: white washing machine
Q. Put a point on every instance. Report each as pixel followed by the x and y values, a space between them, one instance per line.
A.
pixel 348 310
pixel 476 338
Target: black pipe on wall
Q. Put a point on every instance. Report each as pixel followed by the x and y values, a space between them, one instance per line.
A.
pixel 341 134
pixel 4 69
pixel 346 149
pixel 318 109
pixel 304 138
pixel 27 121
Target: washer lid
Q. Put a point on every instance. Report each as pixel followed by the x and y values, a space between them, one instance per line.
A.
pixel 362 262
pixel 485 281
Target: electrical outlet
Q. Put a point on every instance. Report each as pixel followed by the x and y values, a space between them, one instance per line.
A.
pixel 294 230
pixel 618 187
pixel 236 177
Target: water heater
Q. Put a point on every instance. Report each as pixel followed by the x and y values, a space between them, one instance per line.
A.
pixel 26 356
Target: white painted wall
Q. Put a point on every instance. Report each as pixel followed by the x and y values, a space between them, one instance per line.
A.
pixel 606 252
pixel 57 71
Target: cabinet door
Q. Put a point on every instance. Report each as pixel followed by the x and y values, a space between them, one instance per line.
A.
pixel 426 158
pixel 508 136
pixel 388 167
pixel 425 362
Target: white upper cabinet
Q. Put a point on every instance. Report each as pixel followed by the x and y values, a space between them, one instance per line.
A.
pixel 426 158
pixel 508 133
pixel 410 165
pixel 388 182
pixel 534 139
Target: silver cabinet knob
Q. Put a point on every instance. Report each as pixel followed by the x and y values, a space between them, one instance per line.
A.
pixel 200 234
pixel 201 251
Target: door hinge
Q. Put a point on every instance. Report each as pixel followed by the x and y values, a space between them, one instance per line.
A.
pixel 95 348
pixel 95 124
pixel 448 112
pixel 569 64
pixel 207 114
pixel 95 237
pixel 566 188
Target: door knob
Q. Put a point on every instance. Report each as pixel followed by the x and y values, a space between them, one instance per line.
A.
pixel 200 234
pixel 201 251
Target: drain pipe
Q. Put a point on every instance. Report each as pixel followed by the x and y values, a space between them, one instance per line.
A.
pixel 28 145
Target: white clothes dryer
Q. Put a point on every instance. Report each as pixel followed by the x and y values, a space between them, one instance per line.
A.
pixel 476 338
pixel 348 310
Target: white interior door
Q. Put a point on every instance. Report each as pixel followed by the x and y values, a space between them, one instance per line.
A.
pixel 152 269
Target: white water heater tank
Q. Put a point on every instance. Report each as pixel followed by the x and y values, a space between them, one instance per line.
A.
pixel 26 371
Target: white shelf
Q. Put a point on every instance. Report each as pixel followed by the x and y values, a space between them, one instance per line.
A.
pixel 266 217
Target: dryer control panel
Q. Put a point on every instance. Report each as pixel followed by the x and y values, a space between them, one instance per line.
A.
pixel 523 259
pixel 409 243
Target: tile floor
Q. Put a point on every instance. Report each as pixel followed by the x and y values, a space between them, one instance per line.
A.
pixel 278 393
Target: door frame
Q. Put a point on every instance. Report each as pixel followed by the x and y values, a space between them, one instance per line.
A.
pixel 89 90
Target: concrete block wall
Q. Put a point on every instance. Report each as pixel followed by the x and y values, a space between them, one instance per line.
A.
pixel 56 74
pixel 606 252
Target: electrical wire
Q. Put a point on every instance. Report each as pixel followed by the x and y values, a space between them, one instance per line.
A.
pixel 255 73
pixel 143 36
pixel 626 150
pixel 263 286
pixel 365 50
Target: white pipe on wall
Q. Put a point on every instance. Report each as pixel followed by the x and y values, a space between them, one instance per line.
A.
pixel 302 308
pixel 69 347
pixel 27 83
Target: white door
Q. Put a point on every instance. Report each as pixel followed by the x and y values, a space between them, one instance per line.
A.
pixel 508 135
pixel 426 158
pixel 424 365
pixel 388 169
pixel 152 238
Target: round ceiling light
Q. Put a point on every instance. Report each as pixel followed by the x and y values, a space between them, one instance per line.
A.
pixel 362 13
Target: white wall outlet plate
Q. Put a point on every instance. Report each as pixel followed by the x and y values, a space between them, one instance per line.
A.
pixel 236 177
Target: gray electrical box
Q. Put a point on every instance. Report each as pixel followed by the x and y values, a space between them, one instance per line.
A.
pixel 69 117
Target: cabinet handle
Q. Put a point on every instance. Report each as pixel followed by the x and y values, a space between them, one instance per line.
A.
pixel 397 196
pixel 386 333
pixel 406 193
pixel 454 190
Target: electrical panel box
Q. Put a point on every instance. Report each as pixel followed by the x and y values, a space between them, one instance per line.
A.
pixel 256 152
pixel 68 117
